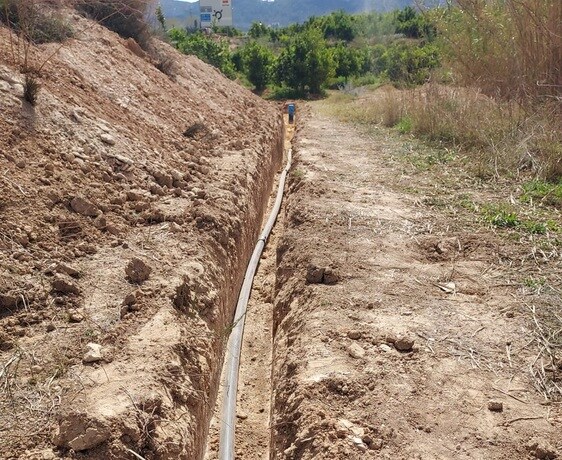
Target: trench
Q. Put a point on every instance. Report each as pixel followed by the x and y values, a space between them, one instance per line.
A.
pixel 253 400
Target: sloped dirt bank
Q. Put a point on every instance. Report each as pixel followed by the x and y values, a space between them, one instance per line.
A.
pixel 397 335
pixel 130 202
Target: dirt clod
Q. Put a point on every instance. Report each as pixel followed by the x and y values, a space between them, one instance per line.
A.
pixel 495 406
pixel 356 351
pixel 404 343
pixel 314 274
pixel 84 207
pixel 540 449
pixel 138 271
pixel 65 286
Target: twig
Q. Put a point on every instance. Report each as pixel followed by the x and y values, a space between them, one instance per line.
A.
pixel 509 422
pixel 134 453
pixel 510 395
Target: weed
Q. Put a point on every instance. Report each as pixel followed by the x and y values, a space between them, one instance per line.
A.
pixel 542 192
pixel 298 174
pixel 31 89
pixel 124 17
pixel 501 216
pixel 404 126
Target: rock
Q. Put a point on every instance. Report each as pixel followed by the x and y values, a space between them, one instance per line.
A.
pixel 50 327
pixel 93 353
pixel 163 179
pixel 67 270
pixel 138 271
pixel 242 415
pixel 384 347
pixel 100 222
pixel 495 406
pixel 356 351
pixel 77 432
pixel 64 286
pixel 330 276
pixel 404 343
pixel 358 442
pixel 75 317
pixel 354 335
pixel 84 207
pixel 314 274
pixel 540 449
pixel 107 139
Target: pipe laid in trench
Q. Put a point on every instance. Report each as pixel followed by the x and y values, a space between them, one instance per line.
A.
pixel 228 413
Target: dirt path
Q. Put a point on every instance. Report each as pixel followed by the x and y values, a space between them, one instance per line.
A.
pixel 420 350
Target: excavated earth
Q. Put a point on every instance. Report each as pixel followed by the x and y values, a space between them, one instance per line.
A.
pixel 130 201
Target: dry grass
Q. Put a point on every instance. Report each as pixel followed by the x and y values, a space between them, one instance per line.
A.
pixel 499 137
pixel 509 48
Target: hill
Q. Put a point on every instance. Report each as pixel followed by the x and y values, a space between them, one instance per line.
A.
pixel 283 12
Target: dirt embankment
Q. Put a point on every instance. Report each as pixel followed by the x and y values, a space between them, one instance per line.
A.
pixel 396 335
pixel 129 205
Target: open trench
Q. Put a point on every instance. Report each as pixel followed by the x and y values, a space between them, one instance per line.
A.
pixel 252 432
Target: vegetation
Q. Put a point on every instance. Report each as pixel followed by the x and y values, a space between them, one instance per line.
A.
pixel 326 51
pixel 125 17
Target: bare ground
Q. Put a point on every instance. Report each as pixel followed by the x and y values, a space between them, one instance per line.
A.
pixel 423 347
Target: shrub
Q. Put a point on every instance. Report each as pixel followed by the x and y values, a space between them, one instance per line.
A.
pixel 34 21
pixel 509 48
pixel 31 89
pixel 125 17
pixel 212 52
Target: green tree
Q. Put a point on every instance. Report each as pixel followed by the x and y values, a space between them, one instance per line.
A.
pixel 257 60
pixel 205 48
pixel 160 17
pixel 258 30
pixel 306 63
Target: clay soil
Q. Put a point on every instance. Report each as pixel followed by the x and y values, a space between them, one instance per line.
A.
pixel 401 329
pixel 130 201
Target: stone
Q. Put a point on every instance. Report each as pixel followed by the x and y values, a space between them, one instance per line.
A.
pixel 495 406
pixel 384 347
pixel 84 207
pixel 138 271
pixel 75 317
pixel 64 286
pixel 107 139
pixel 354 335
pixel 67 270
pixel 100 222
pixel 93 353
pixel 404 343
pixel 50 327
pixel 356 351
pixel 78 432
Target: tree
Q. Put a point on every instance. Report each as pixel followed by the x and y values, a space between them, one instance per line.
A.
pixel 205 48
pixel 257 61
pixel 306 63
pixel 160 17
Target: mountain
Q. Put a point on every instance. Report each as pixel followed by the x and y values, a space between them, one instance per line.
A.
pixel 283 12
